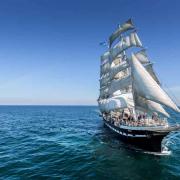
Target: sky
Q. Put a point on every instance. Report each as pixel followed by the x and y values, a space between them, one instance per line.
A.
pixel 50 53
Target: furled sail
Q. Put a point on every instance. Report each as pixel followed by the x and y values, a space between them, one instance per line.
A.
pixel 125 27
pixel 149 106
pixel 147 87
pixel 115 103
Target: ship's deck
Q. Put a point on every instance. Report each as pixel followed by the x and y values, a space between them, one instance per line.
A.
pixel 157 128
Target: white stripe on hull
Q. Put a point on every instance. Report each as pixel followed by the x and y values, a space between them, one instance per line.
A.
pixel 144 128
pixel 122 133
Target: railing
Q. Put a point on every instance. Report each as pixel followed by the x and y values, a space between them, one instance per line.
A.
pixel 148 122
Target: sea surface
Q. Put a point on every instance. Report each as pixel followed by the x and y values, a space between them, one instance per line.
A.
pixel 71 142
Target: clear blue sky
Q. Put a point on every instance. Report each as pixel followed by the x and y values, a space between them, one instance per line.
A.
pixel 49 49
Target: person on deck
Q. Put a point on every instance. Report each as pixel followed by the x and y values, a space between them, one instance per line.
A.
pixel 126 115
pixel 155 116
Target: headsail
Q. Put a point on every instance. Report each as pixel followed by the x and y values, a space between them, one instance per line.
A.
pixel 150 70
pixel 147 87
pixel 149 106
pixel 142 56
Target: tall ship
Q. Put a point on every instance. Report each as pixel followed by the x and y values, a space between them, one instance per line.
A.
pixel 132 102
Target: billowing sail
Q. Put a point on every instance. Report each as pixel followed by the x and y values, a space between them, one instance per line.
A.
pixel 118 59
pixel 150 70
pixel 143 59
pixel 115 69
pixel 138 42
pixel 118 84
pixel 147 87
pixel 131 40
pixel 115 103
pixel 125 27
pixel 104 80
pixel 116 50
pixel 105 68
pixel 125 43
pixel 142 56
pixel 149 106
pixel 104 92
pixel 105 57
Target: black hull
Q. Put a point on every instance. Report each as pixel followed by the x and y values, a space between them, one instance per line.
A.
pixel 149 140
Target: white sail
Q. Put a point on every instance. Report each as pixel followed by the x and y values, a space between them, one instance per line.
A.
pixel 102 103
pixel 115 103
pixel 117 49
pixel 142 56
pixel 125 27
pixel 105 57
pixel 131 40
pixel 118 84
pixel 104 92
pixel 117 93
pixel 150 70
pixel 124 44
pixel 104 80
pixel 105 68
pixel 115 69
pixel 127 42
pixel 138 42
pixel 150 106
pixel 119 59
pixel 147 87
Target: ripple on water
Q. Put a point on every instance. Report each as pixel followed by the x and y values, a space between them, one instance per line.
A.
pixel 72 143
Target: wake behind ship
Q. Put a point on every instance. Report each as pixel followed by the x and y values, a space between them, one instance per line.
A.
pixel 131 98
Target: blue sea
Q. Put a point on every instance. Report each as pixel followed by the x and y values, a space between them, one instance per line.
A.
pixel 71 142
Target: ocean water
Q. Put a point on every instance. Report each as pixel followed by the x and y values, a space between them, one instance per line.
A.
pixel 70 142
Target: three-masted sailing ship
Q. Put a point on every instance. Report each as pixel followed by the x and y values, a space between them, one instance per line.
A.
pixel 132 101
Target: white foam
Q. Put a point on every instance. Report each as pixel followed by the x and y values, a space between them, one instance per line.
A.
pixel 162 153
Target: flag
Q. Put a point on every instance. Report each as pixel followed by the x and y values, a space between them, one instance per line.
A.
pixel 103 44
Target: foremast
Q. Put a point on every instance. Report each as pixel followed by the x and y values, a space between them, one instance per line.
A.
pixel 127 78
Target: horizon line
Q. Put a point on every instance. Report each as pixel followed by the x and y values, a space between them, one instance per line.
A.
pixel 48 105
